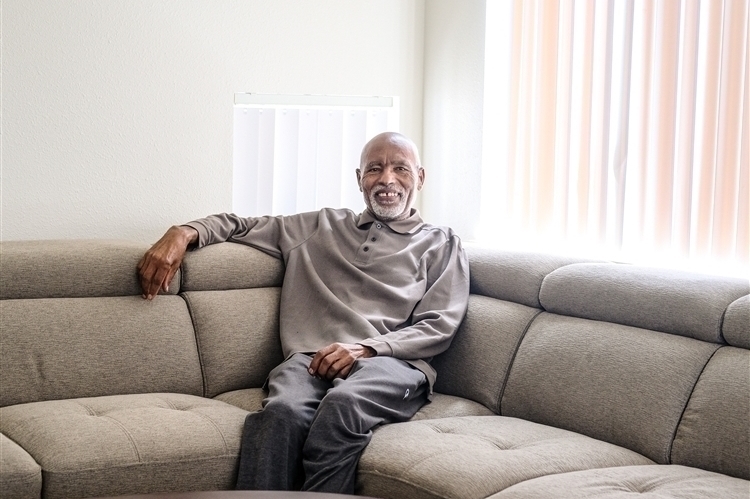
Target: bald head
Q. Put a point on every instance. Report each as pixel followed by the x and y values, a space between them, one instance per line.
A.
pixel 392 138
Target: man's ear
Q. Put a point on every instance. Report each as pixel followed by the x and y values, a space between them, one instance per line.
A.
pixel 420 174
pixel 359 179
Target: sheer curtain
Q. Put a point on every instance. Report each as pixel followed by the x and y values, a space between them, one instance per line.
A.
pixel 620 126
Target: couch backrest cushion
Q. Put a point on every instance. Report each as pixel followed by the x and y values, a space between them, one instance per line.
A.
pixel 714 433
pixel 238 336
pixel 514 276
pixel 57 348
pixel 477 362
pixel 674 302
pixel 71 269
pixel 230 266
pixel 736 326
pixel 620 384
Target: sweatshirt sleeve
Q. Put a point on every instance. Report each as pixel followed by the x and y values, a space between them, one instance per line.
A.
pixel 272 235
pixel 438 314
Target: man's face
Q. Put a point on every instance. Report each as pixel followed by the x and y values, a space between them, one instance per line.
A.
pixel 389 177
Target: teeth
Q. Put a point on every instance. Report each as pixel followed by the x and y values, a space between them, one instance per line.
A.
pixel 388 194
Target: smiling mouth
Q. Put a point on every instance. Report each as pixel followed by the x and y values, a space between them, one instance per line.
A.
pixel 387 197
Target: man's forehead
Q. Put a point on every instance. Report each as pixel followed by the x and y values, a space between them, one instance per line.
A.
pixel 392 151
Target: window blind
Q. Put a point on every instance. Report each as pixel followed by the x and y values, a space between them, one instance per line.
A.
pixel 619 125
pixel 297 153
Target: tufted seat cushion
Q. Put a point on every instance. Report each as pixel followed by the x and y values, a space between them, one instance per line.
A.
pixel 447 406
pixel 128 443
pixel 647 482
pixel 21 477
pixel 460 457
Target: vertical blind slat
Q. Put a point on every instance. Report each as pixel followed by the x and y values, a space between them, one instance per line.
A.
pixel 624 123
pixel 292 156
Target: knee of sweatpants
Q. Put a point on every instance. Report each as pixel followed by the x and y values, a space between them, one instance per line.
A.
pixel 341 401
pixel 288 412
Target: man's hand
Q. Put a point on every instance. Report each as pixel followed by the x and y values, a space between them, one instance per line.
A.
pixel 336 360
pixel 160 263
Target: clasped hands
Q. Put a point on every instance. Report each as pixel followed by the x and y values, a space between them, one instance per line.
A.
pixel 337 359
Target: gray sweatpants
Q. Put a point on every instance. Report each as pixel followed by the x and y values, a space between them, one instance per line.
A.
pixel 311 432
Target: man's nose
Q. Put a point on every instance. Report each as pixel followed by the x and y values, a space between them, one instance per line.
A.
pixel 387 176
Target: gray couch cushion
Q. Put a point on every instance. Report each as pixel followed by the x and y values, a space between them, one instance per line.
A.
pixel 647 482
pixel 238 336
pixel 129 443
pixel 736 326
pixel 674 302
pixel 615 383
pixel 714 433
pixel 76 268
pixel 249 399
pixel 20 475
pixel 474 457
pixel 230 266
pixel 514 276
pixel 441 406
pixel 476 365
pixel 448 406
pixel 83 347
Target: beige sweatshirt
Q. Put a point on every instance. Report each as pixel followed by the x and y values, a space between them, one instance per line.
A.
pixel 400 287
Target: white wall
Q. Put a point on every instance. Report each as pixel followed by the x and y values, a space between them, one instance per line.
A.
pixel 453 111
pixel 117 114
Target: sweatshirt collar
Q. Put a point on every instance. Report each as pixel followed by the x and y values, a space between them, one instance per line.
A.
pixel 408 225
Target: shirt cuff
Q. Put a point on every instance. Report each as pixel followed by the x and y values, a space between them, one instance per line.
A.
pixel 202 233
pixel 380 347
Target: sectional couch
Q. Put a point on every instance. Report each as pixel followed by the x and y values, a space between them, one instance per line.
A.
pixel 567 379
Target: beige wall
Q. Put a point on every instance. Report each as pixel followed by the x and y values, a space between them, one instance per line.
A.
pixel 117 114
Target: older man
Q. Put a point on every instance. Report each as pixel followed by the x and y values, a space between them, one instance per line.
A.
pixel 367 301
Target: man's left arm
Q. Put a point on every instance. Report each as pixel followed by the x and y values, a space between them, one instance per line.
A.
pixel 439 313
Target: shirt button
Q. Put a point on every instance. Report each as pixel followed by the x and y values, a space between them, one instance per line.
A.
pixel 379 226
pixel 366 248
pixel 373 239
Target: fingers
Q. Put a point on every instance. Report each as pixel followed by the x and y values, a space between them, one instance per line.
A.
pixel 150 280
pixel 344 372
pixel 161 262
pixel 315 365
pixel 155 274
pixel 168 280
pixel 334 361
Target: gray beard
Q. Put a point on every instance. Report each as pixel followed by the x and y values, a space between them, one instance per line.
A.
pixel 387 214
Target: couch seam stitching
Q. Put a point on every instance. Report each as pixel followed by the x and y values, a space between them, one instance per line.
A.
pixel 127 434
pixel 89 410
pixel 721 324
pixel 513 360
pixel 29 477
pixel 403 480
pixel 670 448
pixel 196 337
pixel 92 412
pixel 141 463
pixel 168 402
pixel 216 427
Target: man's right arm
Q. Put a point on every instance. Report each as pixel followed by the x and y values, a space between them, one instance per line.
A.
pixel 160 263
pixel 268 234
